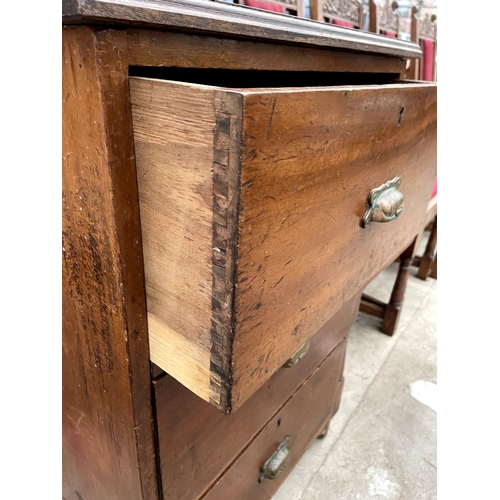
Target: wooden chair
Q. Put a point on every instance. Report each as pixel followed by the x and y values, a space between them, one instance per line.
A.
pixel 421 26
pixel 384 19
pixel 345 13
pixel 291 7
pixel 423 32
pixel 427 263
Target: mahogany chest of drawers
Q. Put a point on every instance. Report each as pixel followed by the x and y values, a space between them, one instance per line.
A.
pixel 225 175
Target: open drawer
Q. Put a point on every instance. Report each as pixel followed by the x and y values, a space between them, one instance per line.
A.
pixel 251 205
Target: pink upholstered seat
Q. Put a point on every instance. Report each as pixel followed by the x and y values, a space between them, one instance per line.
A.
pixel 343 24
pixel 428 60
pixel 265 6
pixel 435 188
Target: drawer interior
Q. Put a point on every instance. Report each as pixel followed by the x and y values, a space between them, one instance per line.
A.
pixel 247 79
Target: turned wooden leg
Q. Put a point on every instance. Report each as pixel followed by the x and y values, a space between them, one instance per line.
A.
pixel 389 313
pixel 427 260
pixel 434 268
pixel 393 308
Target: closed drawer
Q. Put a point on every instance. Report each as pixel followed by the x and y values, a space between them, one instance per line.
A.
pixel 294 427
pixel 197 443
pixel 251 203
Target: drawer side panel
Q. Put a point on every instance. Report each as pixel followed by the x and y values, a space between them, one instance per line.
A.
pixel 173 131
pixel 188 147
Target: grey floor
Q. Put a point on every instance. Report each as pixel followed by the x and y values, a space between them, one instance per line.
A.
pixel 382 442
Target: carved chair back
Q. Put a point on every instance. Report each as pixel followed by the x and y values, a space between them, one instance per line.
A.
pixel 346 13
pixel 292 7
pixel 424 32
pixel 384 18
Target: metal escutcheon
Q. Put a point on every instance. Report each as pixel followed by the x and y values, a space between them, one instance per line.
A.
pixel 384 203
pixel 276 463
pixel 297 355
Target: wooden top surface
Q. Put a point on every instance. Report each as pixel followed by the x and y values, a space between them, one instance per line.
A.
pixel 231 20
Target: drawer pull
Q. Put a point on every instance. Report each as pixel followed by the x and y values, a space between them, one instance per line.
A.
pixel 384 204
pixel 276 463
pixel 297 355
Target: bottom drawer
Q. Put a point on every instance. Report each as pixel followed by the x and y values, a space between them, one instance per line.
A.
pixel 197 443
pixel 265 463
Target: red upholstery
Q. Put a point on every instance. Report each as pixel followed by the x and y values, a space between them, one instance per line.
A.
pixel 344 24
pixel 428 75
pixel 265 6
pixel 428 60
pixel 389 33
pixel 435 188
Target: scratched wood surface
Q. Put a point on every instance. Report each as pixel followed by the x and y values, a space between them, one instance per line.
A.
pixel 197 443
pixel 162 48
pixel 108 445
pixel 308 161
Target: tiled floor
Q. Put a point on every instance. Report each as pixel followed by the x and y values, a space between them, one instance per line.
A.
pixel 382 442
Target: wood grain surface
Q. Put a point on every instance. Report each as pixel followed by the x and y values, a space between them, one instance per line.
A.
pixel 230 20
pixel 310 160
pixel 108 445
pixel 197 443
pixel 299 164
pixel 164 48
pixel 174 146
pixel 302 419
pixel 188 174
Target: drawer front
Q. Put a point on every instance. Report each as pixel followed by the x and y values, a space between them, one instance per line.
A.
pixel 299 422
pixel 310 160
pixel 197 443
pixel 251 207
